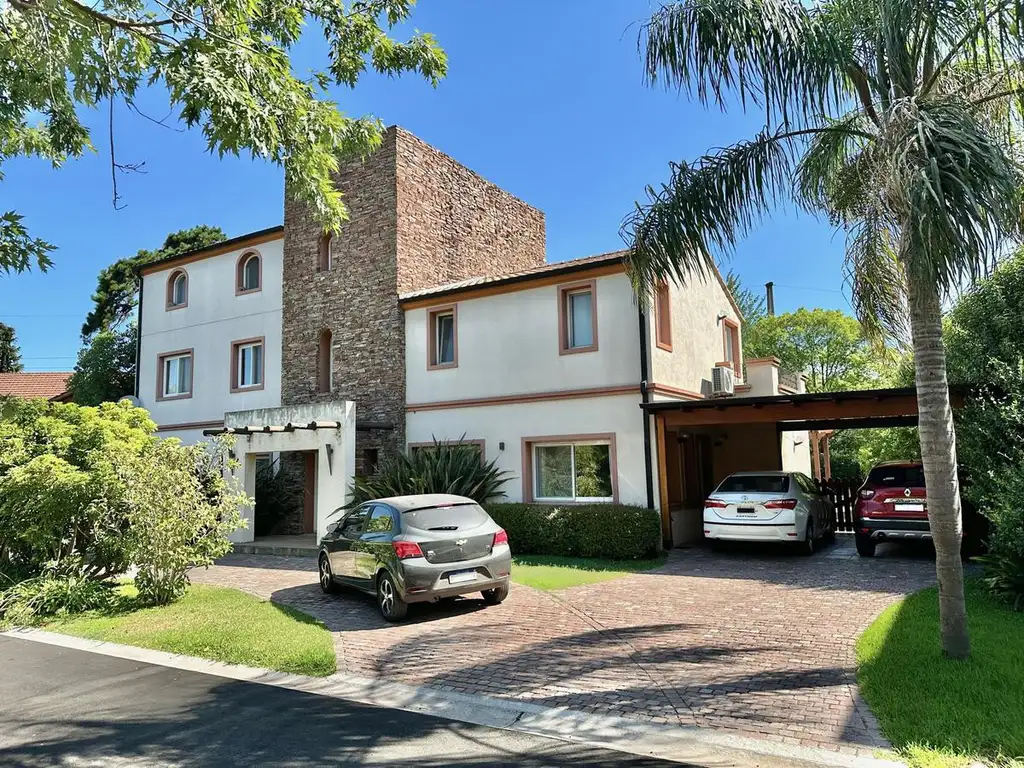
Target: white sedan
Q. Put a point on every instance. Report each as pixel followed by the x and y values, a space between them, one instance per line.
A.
pixel 769 506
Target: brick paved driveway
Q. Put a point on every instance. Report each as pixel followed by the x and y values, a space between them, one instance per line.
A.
pixel 754 641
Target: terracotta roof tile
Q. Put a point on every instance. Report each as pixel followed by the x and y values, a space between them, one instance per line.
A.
pixel 47 385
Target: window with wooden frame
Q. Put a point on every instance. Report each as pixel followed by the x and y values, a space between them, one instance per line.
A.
pixel 249 273
pixel 577 317
pixel 663 316
pixel 325 252
pixel 442 337
pixel 177 289
pixel 325 363
pixel 731 344
pixel 174 375
pixel 570 468
pixel 247 364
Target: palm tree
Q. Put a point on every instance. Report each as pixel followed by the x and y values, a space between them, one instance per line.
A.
pixel 895 119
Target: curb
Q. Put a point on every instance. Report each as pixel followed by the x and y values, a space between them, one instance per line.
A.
pixel 689 744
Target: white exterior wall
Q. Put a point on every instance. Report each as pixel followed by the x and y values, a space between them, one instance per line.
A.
pixel 796 452
pixel 214 318
pixel 698 340
pixel 511 423
pixel 508 344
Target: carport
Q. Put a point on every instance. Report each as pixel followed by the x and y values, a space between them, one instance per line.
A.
pixel 700 442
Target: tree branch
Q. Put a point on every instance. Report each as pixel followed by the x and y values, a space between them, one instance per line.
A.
pixel 127 24
pixel 860 82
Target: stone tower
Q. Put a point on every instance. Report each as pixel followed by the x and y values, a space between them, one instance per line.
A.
pixel 417 219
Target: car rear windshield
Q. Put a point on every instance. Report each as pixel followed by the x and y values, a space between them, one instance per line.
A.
pixel 897 477
pixel 454 518
pixel 755 484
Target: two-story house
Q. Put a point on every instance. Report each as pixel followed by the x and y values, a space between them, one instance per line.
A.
pixel 435 311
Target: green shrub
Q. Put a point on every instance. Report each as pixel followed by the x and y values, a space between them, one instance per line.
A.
pixel 615 531
pixel 444 467
pixel 53 593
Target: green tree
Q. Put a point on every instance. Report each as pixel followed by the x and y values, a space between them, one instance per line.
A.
pixel 105 371
pixel 10 354
pixel 226 68
pixel 117 287
pixel 826 345
pixel 894 119
pixel 751 303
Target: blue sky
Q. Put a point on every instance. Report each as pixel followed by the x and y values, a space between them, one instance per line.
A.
pixel 545 99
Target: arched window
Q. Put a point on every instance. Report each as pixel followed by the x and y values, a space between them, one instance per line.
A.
pixel 324 362
pixel 325 257
pixel 177 289
pixel 248 273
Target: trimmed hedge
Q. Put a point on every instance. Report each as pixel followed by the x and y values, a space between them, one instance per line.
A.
pixel 614 531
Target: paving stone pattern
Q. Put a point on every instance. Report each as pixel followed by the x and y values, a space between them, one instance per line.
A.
pixel 752 641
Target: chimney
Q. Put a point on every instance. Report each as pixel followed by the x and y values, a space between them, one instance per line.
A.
pixel 769 297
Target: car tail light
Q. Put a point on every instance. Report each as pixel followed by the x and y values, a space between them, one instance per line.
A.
pixel 780 504
pixel 715 504
pixel 501 537
pixel 407 549
pixel 866 493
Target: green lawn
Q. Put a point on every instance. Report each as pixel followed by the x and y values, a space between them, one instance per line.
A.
pixel 549 572
pixel 942 713
pixel 215 623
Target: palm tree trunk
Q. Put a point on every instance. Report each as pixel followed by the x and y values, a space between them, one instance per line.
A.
pixel 938 452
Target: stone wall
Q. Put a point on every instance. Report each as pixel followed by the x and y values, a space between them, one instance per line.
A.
pixel 416 219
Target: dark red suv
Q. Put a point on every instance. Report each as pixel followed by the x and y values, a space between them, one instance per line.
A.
pixel 892 504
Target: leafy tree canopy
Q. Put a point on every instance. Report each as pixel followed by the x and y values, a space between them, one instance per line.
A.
pixel 10 354
pixel 751 303
pixel 226 69
pixel 117 286
pixel 105 371
pixel 827 345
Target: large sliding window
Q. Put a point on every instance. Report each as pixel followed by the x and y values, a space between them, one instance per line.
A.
pixel 577 471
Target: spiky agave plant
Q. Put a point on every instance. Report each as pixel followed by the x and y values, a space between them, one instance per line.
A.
pixel 444 467
pixel 898 121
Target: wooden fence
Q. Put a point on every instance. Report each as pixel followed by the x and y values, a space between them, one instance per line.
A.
pixel 843 495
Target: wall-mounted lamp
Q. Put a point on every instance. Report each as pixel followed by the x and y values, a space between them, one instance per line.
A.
pixel 722 316
pixel 501 446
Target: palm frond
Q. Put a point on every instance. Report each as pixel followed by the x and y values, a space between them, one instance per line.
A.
pixel 773 53
pixel 705 206
pixel 877 280
pixel 835 171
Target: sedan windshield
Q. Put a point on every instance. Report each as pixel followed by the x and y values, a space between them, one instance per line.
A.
pixel 755 484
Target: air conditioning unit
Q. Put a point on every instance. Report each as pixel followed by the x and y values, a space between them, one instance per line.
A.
pixel 722 383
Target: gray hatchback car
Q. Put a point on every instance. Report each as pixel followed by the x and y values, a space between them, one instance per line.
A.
pixel 415 549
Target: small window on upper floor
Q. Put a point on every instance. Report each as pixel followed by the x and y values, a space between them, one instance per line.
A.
pixel 177 289
pixel 324 363
pixel 175 375
pixel 442 350
pixel 663 316
pixel 325 252
pixel 731 333
pixel 247 364
pixel 577 317
pixel 249 273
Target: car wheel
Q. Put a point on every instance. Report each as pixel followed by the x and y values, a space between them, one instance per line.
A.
pixel 495 596
pixel 327 582
pixel 392 606
pixel 865 546
pixel 807 545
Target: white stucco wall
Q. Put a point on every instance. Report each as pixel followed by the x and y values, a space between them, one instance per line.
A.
pixel 511 423
pixel 508 344
pixel 214 318
pixel 796 452
pixel 697 335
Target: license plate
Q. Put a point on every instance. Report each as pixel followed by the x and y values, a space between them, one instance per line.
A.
pixel 461 577
pixel 909 507
pixel 746 511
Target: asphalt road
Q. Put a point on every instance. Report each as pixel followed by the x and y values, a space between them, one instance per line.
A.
pixel 66 707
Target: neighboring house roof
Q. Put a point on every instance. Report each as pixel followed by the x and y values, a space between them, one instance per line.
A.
pixel 224 246
pixel 534 273
pixel 48 385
